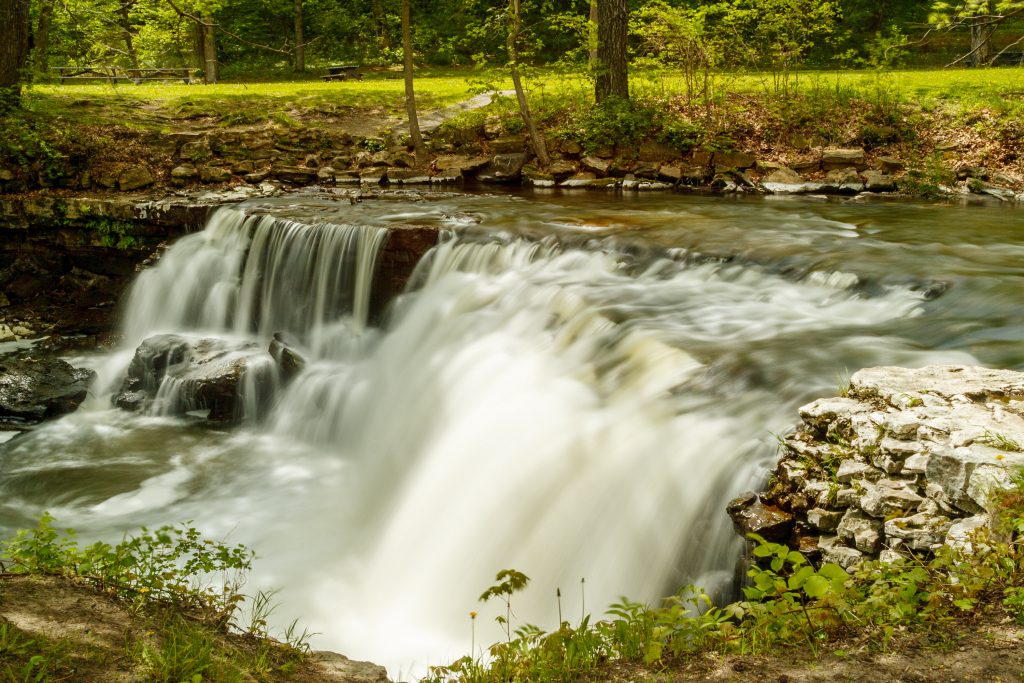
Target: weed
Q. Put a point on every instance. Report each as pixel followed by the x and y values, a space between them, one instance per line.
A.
pixel 1000 441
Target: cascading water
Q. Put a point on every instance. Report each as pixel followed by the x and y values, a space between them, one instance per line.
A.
pixel 574 412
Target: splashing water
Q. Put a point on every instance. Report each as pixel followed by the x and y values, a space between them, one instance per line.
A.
pixel 573 412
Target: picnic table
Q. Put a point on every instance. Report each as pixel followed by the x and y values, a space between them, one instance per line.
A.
pixel 343 72
pixel 116 74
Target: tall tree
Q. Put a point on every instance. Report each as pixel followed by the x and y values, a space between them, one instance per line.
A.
pixel 14 30
pixel 592 36
pixel 41 43
pixel 124 22
pixel 981 18
pixel 539 148
pixel 300 47
pixel 612 26
pixel 410 94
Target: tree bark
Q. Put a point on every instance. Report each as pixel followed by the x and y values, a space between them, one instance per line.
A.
pixel 612 78
pixel 539 148
pixel 14 30
pixel 41 49
pixel 592 37
pixel 981 43
pixel 209 50
pixel 410 93
pixel 124 22
pixel 300 50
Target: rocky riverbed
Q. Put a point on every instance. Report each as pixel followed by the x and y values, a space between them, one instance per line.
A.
pixel 905 461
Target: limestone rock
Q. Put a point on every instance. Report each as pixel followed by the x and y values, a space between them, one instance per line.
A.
pixel 214 174
pixel 134 178
pixel 887 496
pixel 184 173
pixel 862 531
pixel 824 520
pixel 737 160
pixel 596 165
pixel 784 176
pixel 335 668
pixel 919 532
pixel 834 551
pixel 833 159
pixel 876 181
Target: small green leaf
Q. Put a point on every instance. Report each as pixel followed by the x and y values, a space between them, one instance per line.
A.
pixel 816 586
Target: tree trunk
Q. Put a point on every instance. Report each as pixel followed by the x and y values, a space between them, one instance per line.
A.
pixel 209 50
pixel 410 94
pixel 300 50
pixel 592 37
pixel 14 30
pixel 981 43
pixel 612 80
pixel 124 22
pixel 41 49
pixel 380 19
pixel 517 82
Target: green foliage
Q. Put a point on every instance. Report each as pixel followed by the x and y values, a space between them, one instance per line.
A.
pixel 170 565
pixel 113 233
pixel 788 601
pixel 24 659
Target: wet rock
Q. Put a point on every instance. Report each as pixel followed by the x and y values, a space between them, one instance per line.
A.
pixel 408 176
pixel 289 361
pixel 750 515
pixel 35 390
pixel 373 176
pixel 446 176
pixel 671 173
pixel 172 374
pixel 511 144
pixel 503 168
pixel 586 180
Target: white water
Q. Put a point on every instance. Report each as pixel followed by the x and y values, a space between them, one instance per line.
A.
pixel 574 414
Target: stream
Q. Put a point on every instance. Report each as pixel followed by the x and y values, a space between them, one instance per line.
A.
pixel 572 385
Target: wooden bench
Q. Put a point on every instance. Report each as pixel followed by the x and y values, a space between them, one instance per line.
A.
pixel 343 72
pixel 116 74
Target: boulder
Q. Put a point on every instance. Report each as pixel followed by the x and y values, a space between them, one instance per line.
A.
pixel 172 374
pixel 784 176
pixel 289 361
pixel 863 532
pixel 296 175
pixel 737 160
pixel 184 173
pixel 750 515
pixel 843 181
pixel 134 178
pixel 596 165
pixel 876 181
pixel 33 390
pixel 834 159
pixel 214 174
pixel 503 168
pixel 332 667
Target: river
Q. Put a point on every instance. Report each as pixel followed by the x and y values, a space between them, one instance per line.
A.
pixel 573 386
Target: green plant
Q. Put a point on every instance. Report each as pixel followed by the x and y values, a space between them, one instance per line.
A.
pixel 172 564
pixel 1000 441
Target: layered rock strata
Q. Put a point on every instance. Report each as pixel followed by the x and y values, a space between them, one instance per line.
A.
pixel 905 461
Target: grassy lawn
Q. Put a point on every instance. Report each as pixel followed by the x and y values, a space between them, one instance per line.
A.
pixel 156 105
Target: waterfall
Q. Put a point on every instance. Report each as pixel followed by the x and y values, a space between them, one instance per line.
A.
pixel 574 410
pixel 220 294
